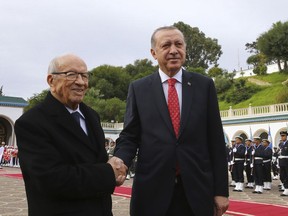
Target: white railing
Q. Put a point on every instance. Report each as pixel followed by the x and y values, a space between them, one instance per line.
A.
pixel 112 125
pixel 231 113
pixel 273 109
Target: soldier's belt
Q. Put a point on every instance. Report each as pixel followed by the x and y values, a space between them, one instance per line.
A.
pixel 282 156
pixel 239 159
pixel 266 161
pixel 258 158
pixel 247 159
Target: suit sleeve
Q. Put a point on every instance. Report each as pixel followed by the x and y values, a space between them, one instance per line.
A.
pixel 127 143
pixel 217 145
pixel 46 171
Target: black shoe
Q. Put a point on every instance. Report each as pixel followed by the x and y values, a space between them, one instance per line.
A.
pixel 255 192
pixel 281 190
pixel 259 192
pixel 283 195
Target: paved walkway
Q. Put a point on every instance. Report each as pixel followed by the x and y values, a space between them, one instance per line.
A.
pixel 13 198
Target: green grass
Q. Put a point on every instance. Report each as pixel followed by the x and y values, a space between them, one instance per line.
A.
pixel 265 96
pixel 273 78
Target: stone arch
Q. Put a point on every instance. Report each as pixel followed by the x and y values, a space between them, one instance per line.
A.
pixel 262 133
pixel 6 130
pixel 242 134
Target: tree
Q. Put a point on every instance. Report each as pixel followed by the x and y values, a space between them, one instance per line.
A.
pixel 258 61
pixel 140 68
pixel 274 44
pixel 36 99
pixel 201 51
pixel 252 47
pixel 111 81
pixel 112 109
pixel 224 81
pixel 240 92
pixel 215 71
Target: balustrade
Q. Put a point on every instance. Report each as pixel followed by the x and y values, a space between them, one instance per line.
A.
pixel 255 111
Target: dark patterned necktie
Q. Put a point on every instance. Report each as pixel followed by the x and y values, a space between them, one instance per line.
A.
pixel 76 116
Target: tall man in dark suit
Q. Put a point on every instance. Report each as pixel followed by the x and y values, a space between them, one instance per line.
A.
pixel 172 117
pixel 63 161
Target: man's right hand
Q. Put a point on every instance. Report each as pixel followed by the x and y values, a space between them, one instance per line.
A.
pixel 119 168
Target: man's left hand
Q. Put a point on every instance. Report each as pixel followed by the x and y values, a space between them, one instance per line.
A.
pixel 221 205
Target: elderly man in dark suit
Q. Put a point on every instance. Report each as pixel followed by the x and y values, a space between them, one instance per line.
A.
pixel 63 160
pixel 172 117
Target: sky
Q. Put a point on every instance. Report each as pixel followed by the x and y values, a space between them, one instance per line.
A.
pixel 114 32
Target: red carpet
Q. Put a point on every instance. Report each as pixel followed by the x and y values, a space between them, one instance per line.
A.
pixel 236 208
pixel 253 208
pixel 12 175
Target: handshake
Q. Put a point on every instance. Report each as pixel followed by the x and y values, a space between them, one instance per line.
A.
pixel 119 168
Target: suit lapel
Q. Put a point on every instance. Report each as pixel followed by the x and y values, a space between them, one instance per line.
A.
pixel 93 126
pixel 63 118
pixel 187 98
pixel 160 101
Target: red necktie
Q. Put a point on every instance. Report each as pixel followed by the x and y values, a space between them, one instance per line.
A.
pixel 173 105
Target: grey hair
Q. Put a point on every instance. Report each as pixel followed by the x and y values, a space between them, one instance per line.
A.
pixel 53 66
pixel 153 41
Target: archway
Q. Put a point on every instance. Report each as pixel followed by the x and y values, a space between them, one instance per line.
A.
pixel 6 130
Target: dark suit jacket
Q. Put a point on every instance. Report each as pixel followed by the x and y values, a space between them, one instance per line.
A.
pixel 199 150
pixel 64 170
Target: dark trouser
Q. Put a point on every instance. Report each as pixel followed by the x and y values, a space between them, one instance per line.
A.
pixel 267 172
pixel 232 176
pixel 284 176
pixel 238 169
pixel 249 173
pixel 275 169
pixel 258 174
pixel 179 204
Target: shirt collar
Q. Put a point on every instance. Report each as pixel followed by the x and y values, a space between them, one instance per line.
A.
pixel 164 77
pixel 77 110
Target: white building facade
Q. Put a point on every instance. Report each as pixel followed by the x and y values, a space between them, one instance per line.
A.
pixel 11 108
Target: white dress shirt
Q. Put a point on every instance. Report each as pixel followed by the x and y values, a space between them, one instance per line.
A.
pixel 82 119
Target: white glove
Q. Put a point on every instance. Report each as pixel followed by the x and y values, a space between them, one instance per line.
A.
pixel 229 163
pixel 234 149
pixel 245 164
pixel 251 165
pixel 232 162
pixel 253 152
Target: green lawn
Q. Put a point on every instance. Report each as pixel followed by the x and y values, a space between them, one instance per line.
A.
pixel 265 96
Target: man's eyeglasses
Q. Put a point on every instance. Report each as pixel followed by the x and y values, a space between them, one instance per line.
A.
pixel 72 76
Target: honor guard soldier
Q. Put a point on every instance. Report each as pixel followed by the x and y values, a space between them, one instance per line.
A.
pixel 258 155
pixel 283 162
pixel 238 167
pixel 231 162
pixel 248 158
pixel 267 165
